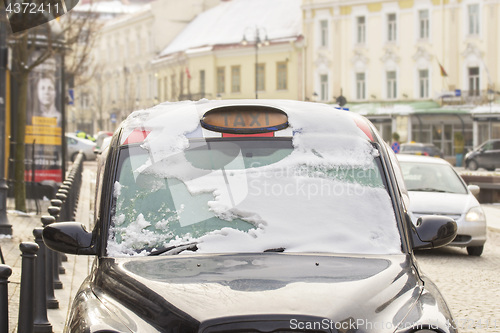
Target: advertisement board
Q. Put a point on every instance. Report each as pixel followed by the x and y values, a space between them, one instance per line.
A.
pixel 44 122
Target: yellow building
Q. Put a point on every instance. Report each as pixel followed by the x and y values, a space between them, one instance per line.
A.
pixel 238 49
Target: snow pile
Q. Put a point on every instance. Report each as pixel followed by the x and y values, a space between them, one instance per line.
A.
pixel 230 21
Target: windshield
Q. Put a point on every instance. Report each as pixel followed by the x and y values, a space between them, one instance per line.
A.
pixel 432 177
pixel 249 195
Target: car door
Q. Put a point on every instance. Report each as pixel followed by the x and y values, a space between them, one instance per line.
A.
pixel 494 155
pixel 482 157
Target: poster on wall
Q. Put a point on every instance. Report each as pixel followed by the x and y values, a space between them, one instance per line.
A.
pixel 44 122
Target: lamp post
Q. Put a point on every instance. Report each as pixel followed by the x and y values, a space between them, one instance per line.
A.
pixel 258 42
pixel 5 227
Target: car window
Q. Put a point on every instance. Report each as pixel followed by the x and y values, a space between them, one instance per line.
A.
pixel 488 145
pixel 409 148
pixel 432 177
pixel 496 145
pixel 249 196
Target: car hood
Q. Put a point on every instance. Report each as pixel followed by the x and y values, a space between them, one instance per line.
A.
pixel 441 203
pixel 201 288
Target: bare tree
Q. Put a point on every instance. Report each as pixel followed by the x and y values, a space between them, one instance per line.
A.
pixel 72 37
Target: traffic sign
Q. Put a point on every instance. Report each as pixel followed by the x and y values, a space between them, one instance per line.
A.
pixel 395 147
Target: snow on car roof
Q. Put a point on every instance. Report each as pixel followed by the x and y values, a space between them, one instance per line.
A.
pixel 176 117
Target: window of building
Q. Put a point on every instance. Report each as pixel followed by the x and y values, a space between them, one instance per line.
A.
pixel 109 92
pixel 473 15
pixel 85 101
pixel 423 83
pixel 235 79
pixel 221 80
pixel 423 18
pixel 165 88
pixel 282 76
pixel 202 82
pixel 391 27
pixel 473 81
pixel 173 88
pixel 181 83
pixel 117 49
pixel 138 88
pixel 324 32
pixel 392 88
pixel 138 43
pixel 150 86
pixel 360 86
pixel 261 77
pixel 360 29
pixel 323 79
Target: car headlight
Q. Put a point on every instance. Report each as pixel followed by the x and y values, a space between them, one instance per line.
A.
pixel 475 214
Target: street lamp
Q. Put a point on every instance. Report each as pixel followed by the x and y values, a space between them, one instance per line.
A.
pixel 258 42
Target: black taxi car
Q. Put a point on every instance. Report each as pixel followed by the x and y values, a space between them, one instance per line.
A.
pixel 252 216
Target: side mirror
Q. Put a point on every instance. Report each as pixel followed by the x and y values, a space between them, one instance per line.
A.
pixel 69 237
pixel 433 231
pixel 474 189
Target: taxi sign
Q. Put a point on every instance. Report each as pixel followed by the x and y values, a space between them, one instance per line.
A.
pixel 244 119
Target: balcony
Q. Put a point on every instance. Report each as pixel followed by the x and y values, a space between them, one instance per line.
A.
pixel 469 97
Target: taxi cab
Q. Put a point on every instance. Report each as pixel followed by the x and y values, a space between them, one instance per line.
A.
pixel 252 216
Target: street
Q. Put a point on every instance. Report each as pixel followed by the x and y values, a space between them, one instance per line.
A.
pixel 469 284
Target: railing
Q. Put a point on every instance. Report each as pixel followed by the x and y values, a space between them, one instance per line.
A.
pixel 40 266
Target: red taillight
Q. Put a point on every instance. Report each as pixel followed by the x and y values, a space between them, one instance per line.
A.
pixel 426 153
pixel 138 135
pixel 365 128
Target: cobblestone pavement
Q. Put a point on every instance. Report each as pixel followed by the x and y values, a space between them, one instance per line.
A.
pixel 470 285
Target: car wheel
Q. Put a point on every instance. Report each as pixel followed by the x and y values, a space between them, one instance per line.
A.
pixel 475 250
pixel 472 165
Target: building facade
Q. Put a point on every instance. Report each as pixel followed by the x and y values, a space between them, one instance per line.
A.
pixel 125 79
pixel 382 53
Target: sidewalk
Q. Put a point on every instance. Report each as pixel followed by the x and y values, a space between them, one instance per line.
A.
pixel 492 212
pixel 77 267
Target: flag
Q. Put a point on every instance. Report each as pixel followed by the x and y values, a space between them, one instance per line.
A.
pixel 188 74
pixel 443 72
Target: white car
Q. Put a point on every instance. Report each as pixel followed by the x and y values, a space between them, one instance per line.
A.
pixel 75 144
pixel 436 189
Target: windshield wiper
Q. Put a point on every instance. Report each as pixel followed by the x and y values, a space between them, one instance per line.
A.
pixel 278 249
pixel 175 249
pixel 426 189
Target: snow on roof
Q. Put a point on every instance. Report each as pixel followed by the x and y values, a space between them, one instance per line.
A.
pixel 371 109
pixel 493 108
pixel 229 21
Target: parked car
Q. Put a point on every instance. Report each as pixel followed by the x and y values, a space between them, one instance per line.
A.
pixel 487 156
pixel 425 149
pixel 75 144
pixel 435 188
pixel 252 216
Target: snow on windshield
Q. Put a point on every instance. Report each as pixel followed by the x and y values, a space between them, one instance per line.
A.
pixel 324 194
